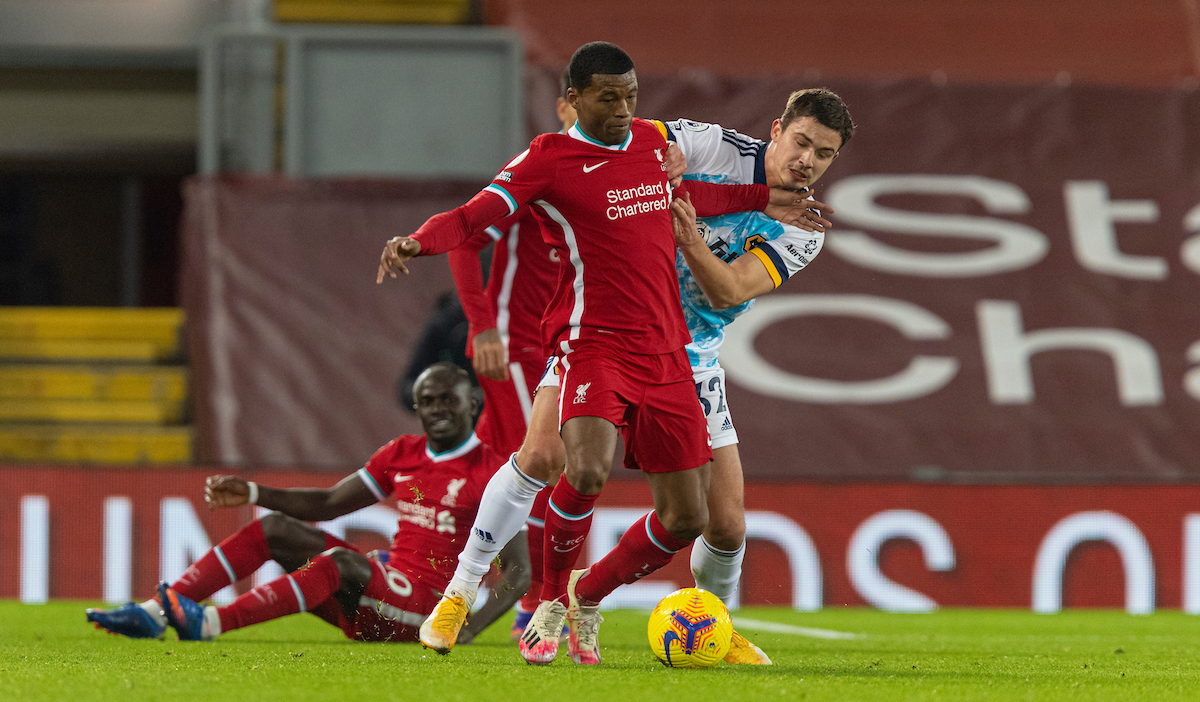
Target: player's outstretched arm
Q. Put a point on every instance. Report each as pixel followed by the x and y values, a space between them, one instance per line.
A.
pixel 794 208
pixel 488 356
pixel 441 233
pixel 514 581
pixel 724 284
pixel 307 504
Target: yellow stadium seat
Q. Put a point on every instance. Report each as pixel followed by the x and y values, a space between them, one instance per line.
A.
pixel 101 382
pixel 41 410
pixel 88 385
pixel 374 11
pixel 90 333
pixel 96 444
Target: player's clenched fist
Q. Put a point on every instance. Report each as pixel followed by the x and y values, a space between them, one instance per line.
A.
pixel 675 163
pixel 396 251
pixel 490 359
pixel 683 222
pixel 226 491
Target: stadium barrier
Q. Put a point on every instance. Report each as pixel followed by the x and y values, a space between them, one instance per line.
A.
pixel 111 534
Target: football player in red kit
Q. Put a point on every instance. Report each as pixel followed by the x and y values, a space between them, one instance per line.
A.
pixel 602 197
pixel 505 345
pixel 437 480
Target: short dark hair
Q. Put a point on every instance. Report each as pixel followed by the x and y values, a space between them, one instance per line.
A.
pixel 823 105
pixel 445 370
pixel 564 83
pixel 597 57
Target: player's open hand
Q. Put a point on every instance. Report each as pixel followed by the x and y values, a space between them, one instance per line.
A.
pixel 798 210
pixel 221 491
pixel 396 251
pixel 683 222
pixel 676 164
pixel 488 356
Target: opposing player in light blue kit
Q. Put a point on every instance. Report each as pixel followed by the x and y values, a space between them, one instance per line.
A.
pixel 723 264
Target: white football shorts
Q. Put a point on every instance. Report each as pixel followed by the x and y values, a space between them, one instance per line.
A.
pixel 710 389
pixel 550 378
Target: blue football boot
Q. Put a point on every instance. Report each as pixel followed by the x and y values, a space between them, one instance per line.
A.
pixel 127 620
pixel 522 621
pixel 184 615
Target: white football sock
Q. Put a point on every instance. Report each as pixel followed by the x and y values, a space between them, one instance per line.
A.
pixel 718 571
pixel 155 610
pixel 505 505
pixel 212 624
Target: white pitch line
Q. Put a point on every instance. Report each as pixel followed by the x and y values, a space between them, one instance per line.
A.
pixel 776 628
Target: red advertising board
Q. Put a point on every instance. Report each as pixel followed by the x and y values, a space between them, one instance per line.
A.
pixel 112 534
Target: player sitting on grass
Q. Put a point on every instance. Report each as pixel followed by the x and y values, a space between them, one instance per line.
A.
pixel 437 479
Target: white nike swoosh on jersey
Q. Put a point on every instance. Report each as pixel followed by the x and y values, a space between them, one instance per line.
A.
pixel 402 478
pixel 589 169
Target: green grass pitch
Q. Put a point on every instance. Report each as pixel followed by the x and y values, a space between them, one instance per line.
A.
pixel 48 652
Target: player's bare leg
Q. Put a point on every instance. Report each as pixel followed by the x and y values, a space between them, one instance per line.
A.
pixel 287 541
pixel 680 515
pixel 590 443
pixel 504 507
pixel 550 445
pixel 716 560
pixel 338 573
pixel 717 555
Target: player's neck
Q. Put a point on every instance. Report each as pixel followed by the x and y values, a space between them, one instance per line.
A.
pixel 576 131
pixel 447 445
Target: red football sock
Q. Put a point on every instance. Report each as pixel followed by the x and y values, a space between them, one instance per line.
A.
pixel 568 520
pixel 307 587
pixel 229 561
pixel 644 548
pixel 537 535
pixel 332 541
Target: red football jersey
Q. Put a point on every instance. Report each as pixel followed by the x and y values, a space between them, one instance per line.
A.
pixel 437 496
pixel 606 211
pixel 521 281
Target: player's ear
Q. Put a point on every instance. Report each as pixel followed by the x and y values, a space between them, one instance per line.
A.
pixel 474 401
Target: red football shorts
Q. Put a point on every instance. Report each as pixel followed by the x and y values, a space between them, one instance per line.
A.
pixel 507 404
pixel 650 397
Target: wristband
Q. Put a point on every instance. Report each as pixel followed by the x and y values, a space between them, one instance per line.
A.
pixel 252 498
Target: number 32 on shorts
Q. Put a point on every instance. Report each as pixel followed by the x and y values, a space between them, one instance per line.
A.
pixel 705 395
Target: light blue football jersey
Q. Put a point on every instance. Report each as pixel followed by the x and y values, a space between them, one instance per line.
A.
pixel 720 155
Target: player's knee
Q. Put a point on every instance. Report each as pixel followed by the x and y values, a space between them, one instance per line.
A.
pixel 725 531
pixel 542 460
pixel 351 565
pixel 588 479
pixel 686 524
pixel 279 528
